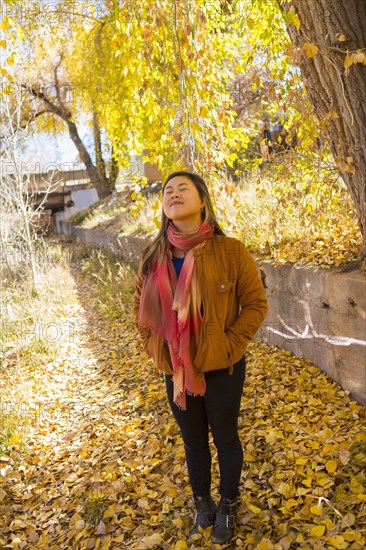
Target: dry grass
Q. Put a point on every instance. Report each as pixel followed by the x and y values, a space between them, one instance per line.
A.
pixel 31 332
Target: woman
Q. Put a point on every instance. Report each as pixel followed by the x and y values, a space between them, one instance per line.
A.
pixel 198 302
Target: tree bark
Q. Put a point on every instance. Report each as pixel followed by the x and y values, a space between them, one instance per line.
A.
pixel 106 183
pixel 338 95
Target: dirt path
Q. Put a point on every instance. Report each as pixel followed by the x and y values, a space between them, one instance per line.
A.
pixel 102 465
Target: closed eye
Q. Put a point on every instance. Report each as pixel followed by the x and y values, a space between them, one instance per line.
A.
pixel 170 190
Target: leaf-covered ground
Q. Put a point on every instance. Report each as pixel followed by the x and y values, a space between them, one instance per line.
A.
pixel 101 464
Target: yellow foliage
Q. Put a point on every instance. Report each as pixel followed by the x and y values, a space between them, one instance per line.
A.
pixel 317 509
pixel 356 57
pixel 338 542
pixel 317 531
pixel 331 466
pixel 310 49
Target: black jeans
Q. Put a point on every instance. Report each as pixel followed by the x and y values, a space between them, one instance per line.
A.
pixel 219 409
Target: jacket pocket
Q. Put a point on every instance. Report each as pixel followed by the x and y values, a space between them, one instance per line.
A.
pixel 224 291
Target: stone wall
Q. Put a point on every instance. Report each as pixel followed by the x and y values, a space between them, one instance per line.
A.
pixel 318 314
pixel 123 245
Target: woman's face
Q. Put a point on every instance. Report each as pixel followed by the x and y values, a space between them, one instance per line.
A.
pixel 181 201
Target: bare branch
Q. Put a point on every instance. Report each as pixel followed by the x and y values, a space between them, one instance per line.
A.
pixel 57 110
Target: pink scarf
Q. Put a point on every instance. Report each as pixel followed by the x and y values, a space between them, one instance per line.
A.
pixel 172 309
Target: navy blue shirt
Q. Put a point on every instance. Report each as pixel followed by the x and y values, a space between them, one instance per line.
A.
pixel 178 262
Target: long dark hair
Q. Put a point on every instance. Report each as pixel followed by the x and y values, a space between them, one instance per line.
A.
pixel 160 243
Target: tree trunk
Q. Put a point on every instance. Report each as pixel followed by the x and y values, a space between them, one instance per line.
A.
pixel 91 170
pixel 338 95
pixel 113 169
pixel 96 173
pixel 106 182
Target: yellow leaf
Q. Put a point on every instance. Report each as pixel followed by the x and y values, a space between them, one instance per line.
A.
pixel 250 458
pixel 250 22
pixel 10 60
pixel 120 538
pixel 307 482
pixel 310 49
pixel 285 489
pixel 204 111
pixel 296 22
pixel 359 57
pixel 178 523
pixel 110 511
pixel 331 466
pixel 348 61
pixel 329 524
pixel 151 540
pixel 317 509
pixel 254 509
pixel 324 481
pixel 356 487
pixel 265 544
pixel 15 438
pixel 180 545
pixel 20 33
pixel 290 503
pixel 317 531
pixel 300 491
pixel 351 535
pixel 338 542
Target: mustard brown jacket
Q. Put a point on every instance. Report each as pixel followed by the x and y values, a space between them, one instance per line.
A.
pixel 234 306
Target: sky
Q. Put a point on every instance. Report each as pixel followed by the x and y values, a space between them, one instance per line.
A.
pixel 45 151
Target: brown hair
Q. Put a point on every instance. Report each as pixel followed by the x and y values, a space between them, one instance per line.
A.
pixel 160 243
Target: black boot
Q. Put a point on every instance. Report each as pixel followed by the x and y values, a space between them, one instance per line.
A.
pixel 205 514
pixel 225 520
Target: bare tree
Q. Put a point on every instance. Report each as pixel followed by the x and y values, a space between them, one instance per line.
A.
pixel 19 213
